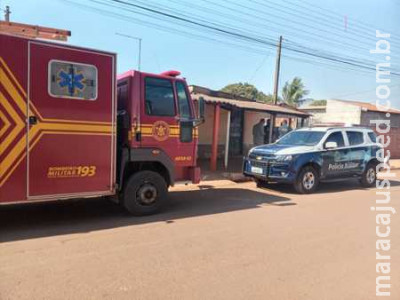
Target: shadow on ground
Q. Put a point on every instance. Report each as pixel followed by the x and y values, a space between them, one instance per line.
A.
pixel 18 222
pixel 327 187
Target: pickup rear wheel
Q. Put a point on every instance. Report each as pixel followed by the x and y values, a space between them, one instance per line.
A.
pixel 145 193
pixel 307 181
pixel 368 178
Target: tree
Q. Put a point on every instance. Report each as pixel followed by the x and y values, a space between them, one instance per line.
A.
pixel 318 103
pixel 293 92
pixel 248 91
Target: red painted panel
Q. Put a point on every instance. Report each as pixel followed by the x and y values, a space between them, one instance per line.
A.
pixel 72 144
pixel 181 153
pixel 50 107
pixel 56 154
pixel 13 84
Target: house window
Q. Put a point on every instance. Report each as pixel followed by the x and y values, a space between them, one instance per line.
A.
pixel 72 80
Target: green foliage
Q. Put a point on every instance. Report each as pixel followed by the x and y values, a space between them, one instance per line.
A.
pixel 248 91
pixel 318 103
pixel 293 92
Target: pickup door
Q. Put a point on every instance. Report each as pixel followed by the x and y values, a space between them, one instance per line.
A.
pixel 360 152
pixel 335 161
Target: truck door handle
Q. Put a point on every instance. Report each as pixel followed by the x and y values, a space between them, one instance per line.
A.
pixel 33 120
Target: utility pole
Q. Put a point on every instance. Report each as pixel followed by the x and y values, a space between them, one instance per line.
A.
pixel 140 45
pixel 7 13
pixel 276 87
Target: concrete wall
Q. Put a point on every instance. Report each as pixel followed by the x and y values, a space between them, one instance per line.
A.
pixel 318 115
pixel 338 111
pixel 250 119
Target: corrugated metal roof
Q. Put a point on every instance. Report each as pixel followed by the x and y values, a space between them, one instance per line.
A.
pixel 250 105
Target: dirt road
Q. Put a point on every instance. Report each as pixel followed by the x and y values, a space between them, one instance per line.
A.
pixel 225 241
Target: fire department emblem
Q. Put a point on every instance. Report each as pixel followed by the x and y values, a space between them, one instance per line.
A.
pixel 160 131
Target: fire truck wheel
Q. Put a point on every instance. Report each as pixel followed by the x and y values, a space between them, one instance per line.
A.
pixel 145 193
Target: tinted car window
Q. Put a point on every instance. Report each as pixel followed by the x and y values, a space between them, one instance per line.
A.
pixel 336 137
pixel 306 138
pixel 183 100
pixel 355 137
pixel 372 136
pixel 159 97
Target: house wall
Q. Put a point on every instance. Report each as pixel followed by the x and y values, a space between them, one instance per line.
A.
pixel 394 146
pixel 251 118
pixel 206 132
pixel 318 115
pixel 338 111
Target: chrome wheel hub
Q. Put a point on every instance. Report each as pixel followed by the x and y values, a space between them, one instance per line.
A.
pixel 371 174
pixel 308 180
pixel 147 194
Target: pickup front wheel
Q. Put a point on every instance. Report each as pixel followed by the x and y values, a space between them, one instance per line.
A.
pixel 145 193
pixel 307 180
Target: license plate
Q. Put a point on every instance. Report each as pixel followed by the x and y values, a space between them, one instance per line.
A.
pixel 256 170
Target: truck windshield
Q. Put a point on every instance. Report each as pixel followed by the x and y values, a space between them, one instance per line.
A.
pixel 304 138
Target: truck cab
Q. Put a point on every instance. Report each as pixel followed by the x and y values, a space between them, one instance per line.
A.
pixel 157 137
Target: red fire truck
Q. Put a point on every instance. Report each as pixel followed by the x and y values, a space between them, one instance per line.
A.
pixel 70 128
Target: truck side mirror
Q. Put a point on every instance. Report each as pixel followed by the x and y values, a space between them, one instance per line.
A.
pixel 186 131
pixel 201 114
pixel 201 108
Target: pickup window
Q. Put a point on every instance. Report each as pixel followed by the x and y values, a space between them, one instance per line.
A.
pixel 372 136
pixel 335 137
pixel 355 137
pixel 159 95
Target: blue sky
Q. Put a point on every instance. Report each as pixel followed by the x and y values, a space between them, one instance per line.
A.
pixel 310 23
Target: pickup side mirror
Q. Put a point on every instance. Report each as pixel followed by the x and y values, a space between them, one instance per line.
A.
pixel 201 112
pixel 330 145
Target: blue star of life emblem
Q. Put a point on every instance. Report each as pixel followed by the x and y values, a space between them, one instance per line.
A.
pixel 71 81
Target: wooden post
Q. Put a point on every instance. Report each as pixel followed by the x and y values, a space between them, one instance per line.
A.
pixel 214 146
pixel 276 84
pixel 228 132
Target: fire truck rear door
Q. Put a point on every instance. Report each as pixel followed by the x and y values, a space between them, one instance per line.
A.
pixel 71 144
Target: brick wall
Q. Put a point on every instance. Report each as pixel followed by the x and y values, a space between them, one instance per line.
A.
pixel 394 146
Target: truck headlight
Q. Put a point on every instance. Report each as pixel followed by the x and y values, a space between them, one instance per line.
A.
pixel 284 157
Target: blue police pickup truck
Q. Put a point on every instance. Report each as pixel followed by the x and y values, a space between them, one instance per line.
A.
pixel 308 156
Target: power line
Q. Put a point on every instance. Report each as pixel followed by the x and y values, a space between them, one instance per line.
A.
pixel 241 36
pixel 236 36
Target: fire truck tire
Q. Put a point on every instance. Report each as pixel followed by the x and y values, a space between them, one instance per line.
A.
pixel 145 193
